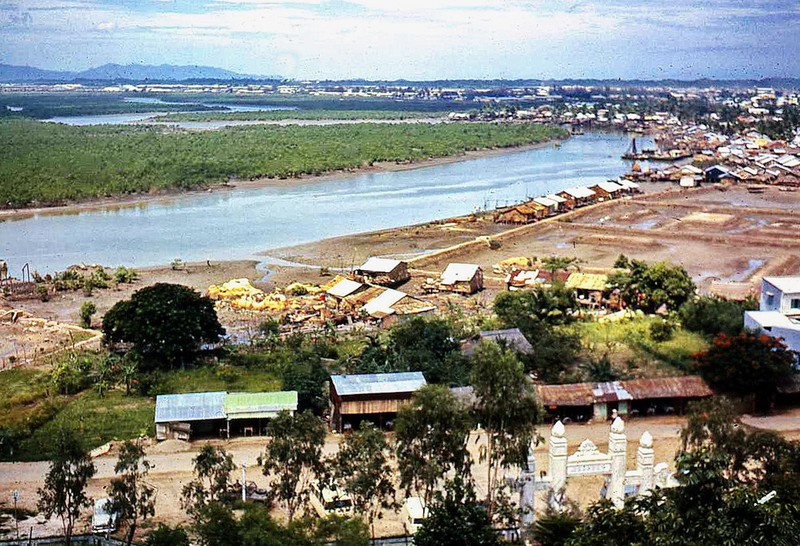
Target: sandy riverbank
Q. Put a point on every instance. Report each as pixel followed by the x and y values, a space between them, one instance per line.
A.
pixel 164 196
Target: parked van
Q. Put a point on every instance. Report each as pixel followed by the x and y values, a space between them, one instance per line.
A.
pixel 331 501
pixel 414 514
pixel 103 520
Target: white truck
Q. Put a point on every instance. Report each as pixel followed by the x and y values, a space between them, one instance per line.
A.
pixel 327 501
pixel 414 514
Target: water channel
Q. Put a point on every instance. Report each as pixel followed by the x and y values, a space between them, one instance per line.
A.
pixel 241 222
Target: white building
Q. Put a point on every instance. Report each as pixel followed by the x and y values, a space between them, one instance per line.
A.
pixel 779 312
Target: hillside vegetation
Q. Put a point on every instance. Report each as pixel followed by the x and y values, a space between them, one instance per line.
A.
pixel 49 164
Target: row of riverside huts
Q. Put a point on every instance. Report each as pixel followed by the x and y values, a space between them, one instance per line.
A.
pixel 565 201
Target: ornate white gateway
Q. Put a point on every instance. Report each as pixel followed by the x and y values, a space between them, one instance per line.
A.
pixel 588 460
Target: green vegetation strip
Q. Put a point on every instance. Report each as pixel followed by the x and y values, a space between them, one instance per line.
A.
pixel 60 163
pixel 277 115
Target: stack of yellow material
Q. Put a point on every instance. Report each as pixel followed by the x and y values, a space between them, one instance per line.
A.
pixel 233 289
pixel 240 294
pixel 518 262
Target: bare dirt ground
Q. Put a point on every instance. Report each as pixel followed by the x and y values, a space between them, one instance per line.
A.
pixel 722 236
pixel 172 462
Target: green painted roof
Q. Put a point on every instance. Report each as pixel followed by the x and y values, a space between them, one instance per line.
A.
pixel 247 405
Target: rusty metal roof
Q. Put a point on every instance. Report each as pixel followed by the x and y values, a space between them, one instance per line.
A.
pixel 576 394
pixel 690 386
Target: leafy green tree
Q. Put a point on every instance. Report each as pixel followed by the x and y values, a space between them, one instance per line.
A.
pixel 431 433
pixel 747 364
pixel 164 535
pixel 293 456
pixel 64 490
pixel 304 372
pixel 163 321
pixel 604 525
pixel 506 409
pixel 711 316
pixel 362 466
pixel 456 518
pixel 88 309
pixel 212 473
pixel 648 287
pixel 554 264
pixel 132 498
pixel 214 524
pixel 553 528
pixel 423 345
pixel 332 530
pixel 525 309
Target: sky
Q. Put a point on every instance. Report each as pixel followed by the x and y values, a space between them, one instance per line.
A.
pixel 413 39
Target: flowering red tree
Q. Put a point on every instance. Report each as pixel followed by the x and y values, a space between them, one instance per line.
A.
pixel 746 364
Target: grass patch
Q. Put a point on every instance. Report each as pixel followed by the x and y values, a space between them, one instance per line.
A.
pixel 96 420
pixel 22 386
pixel 629 346
pixel 219 378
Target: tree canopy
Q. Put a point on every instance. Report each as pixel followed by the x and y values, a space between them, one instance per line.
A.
pixel 431 433
pixel 746 364
pixel 648 287
pixel 456 518
pixel 168 322
pixel 711 316
pixel 64 490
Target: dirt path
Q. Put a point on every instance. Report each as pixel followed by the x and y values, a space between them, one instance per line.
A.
pixel 172 463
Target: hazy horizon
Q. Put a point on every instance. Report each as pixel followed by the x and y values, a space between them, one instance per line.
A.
pixel 412 39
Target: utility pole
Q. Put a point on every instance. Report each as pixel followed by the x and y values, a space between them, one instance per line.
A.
pixel 244 482
pixel 15 496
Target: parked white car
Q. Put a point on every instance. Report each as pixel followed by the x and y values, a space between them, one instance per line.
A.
pixel 103 520
pixel 414 514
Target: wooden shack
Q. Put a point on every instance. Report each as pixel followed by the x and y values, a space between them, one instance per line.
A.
pixel 461 278
pixel 590 288
pixel 525 213
pixel 383 271
pixel 657 396
pixel 372 397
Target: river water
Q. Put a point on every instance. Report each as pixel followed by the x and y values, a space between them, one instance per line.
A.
pixel 240 223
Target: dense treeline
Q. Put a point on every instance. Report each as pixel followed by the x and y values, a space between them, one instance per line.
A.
pixel 269 115
pixel 48 105
pixel 49 164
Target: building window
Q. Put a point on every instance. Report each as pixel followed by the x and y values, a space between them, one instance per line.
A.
pixel 795 303
pixel 770 298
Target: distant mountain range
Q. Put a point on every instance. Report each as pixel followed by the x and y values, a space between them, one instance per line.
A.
pixel 177 73
pixel 124 73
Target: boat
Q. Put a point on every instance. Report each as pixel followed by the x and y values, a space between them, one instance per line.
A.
pixel 653 154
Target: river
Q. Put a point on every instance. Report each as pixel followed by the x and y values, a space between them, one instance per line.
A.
pixel 240 223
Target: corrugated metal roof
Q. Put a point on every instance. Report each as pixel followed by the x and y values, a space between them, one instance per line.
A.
pixel 610 187
pixel 579 192
pixel 690 386
pixel 546 201
pixel 378 383
pixel 246 405
pixel 383 303
pixel 454 273
pixel 556 198
pixel 612 391
pixel 576 394
pixel 379 265
pixel 197 406
pixel 344 287
pixel 513 337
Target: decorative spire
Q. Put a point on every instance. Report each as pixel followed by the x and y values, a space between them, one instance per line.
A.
pixel 557 430
pixel 646 440
pixel 618 425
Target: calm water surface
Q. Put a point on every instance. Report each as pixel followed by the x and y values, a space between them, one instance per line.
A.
pixel 241 223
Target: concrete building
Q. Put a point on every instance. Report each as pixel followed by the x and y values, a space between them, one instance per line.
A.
pixel 779 311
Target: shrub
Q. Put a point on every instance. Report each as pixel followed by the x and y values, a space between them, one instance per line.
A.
pixel 661 330
pixel 88 309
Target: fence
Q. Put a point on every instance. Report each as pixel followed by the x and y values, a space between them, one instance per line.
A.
pixel 88 540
